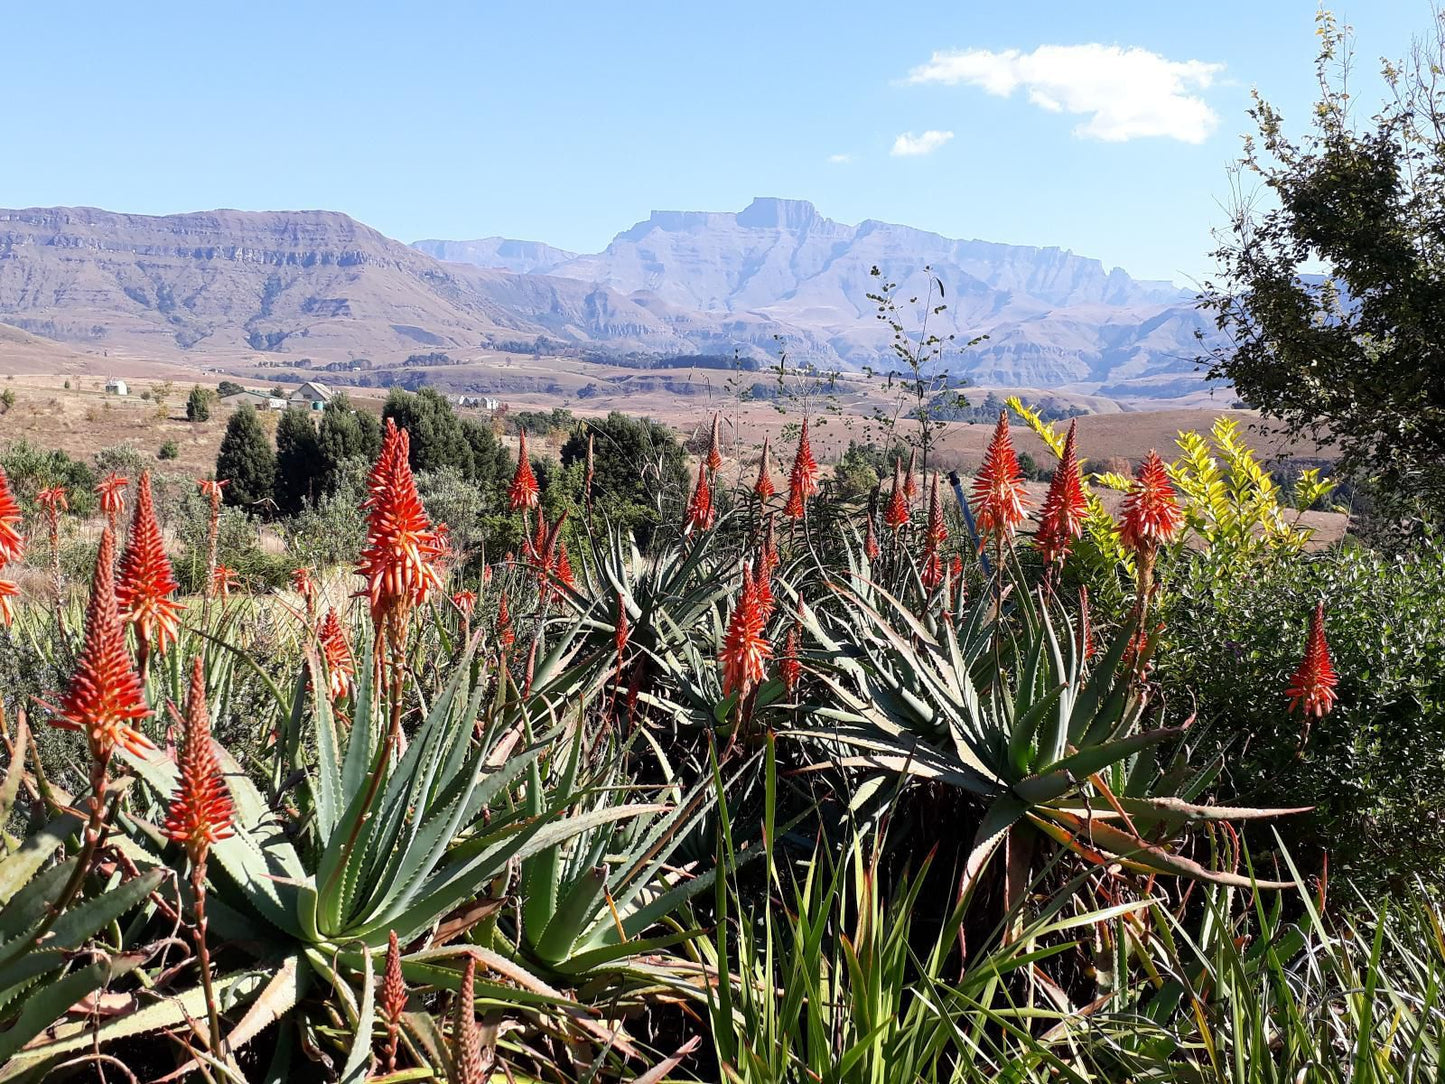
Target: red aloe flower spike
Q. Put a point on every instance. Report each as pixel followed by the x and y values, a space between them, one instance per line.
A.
pixel 871 549
pixel 393 1000
pixel 998 491
pixel 8 589
pixel 201 811
pixel 466 1036
pixel 910 485
pixel 955 568
pixel 763 586
pixel 895 513
pixel 211 490
pixel 564 567
pixel 790 668
pixel 622 631
pixel 303 585
pixel 12 542
pixel 699 515
pixel 932 574
pixel 223 581
pixel 1150 517
pixel 111 491
pixel 937 531
pixel 105 697
pixel 714 448
pixel 768 559
pixel 340 664
pixel 147 582
pixel 745 647
pixel 505 636
pixel 1312 689
pixel 1061 519
pixel 1087 649
pixel 803 480
pixel 399 560
pixel 763 487
pixel 54 502
pixel 466 602
pixel 524 491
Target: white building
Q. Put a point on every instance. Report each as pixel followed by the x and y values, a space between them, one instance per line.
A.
pixel 116 387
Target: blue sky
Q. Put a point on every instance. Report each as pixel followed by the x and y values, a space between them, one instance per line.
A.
pixel 569 122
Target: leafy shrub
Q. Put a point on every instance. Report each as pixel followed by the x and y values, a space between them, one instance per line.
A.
pixel 1374 769
pixel 169 450
pixel 198 404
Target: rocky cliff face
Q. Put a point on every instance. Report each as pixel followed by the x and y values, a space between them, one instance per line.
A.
pixel 1052 318
pixel 525 257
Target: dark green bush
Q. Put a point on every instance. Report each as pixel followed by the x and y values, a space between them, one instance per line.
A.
pixel 1374 768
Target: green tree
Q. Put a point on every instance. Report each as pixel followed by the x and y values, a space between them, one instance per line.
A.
pixel 169 450
pixel 346 437
pixel 437 439
pixel 639 476
pixel 228 387
pixel 490 462
pixel 1331 297
pixel 198 404
pixel 246 459
pixel 300 468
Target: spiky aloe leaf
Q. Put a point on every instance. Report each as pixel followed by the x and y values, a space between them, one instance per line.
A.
pixel 49 1003
pixel 16 870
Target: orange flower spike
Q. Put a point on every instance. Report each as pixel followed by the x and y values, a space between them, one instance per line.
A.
pixel 910 484
pixel 466 1035
pixel 147 581
pixel 53 500
pixel 211 489
pixel 699 515
pixel 8 590
pixel 998 491
pixel 12 542
pixel 105 697
pixel 803 480
pixel 745 647
pixel 871 549
pixel 1151 515
pixel 340 664
pixel 302 583
pixel 564 567
pixel 1087 649
pixel 524 492
pixel 763 487
pixel 1312 689
pixel 714 448
pixel 505 636
pixel 111 491
pixel 769 559
pixel 895 513
pixel 1061 519
pixel 201 811
pixel 224 581
pixel 393 999
pixel 622 631
pixel 466 602
pixel 937 531
pixel 402 548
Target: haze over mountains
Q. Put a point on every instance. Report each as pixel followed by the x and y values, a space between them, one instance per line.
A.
pixel 321 285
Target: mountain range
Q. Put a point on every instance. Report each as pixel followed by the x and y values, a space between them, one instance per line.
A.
pixel 319 284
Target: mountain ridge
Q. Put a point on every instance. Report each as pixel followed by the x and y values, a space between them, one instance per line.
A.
pixel 322 284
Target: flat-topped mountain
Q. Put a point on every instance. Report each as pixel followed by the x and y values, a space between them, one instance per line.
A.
pixel 1052 317
pixel 322 285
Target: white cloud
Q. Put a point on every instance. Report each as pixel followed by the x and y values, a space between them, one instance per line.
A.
pixel 909 145
pixel 1126 93
pixel 840 159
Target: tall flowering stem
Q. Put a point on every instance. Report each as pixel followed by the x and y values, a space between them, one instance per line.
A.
pixel 111 491
pixel 201 814
pixel 745 649
pixel 524 493
pixel 336 653
pixel 104 701
pixel 803 479
pixel 211 490
pixel 895 512
pixel 935 535
pixel 12 545
pixel 763 487
pixel 147 582
pixel 54 501
pixel 1061 520
pixel 1149 520
pixel 393 1000
pixel 699 515
pixel 999 498
pixel 1312 689
pixel 303 584
pixel 714 447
